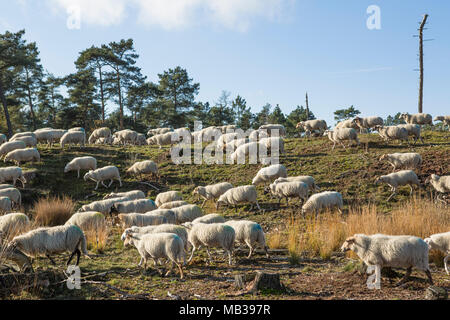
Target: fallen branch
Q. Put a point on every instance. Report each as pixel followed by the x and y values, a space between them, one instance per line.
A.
pixel 148 184
pixel 123 294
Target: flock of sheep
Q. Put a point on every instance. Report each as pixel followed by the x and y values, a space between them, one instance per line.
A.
pixel 169 227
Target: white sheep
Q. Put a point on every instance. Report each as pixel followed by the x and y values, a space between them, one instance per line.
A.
pixel 49 136
pixel 310 181
pixel 445 121
pixel 161 139
pixel 227 128
pixel 12 174
pixel 5 204
pixel 23 134
pixel 393 133
pixel 232 145
pixel 212 235
pixel 293 189
pixel 103 174
pixel 169 214
pixel 238 195
pixel 13 223
pixel 208 218
pixel 342 134
pixel 23 155
pixel 400 178
pixel 407 160
pixel 81 163
pixel 381 250
pixel 312 125
pixel 173 204
pixel 367 122
pixel 212 192
pixel 10 146
pixel 167 228
pixel 226 138
pixel 277 143
pixel 28 140
pixel 187 213
pixel 269 174
pixel 140 140
pixel 271 129
pixel 440 184
pixel 249 233
pixel 347 124
pixel 256 135
pixel 143 167
pixel 324 200
pixel 76 129
pixel 103 132
pixel 86 220
pixel 52 240
pixel 168 196
pixel 103 206
pixel 441 242
pixel 130 195
pixel 139 219
pixel 413 130
pixel 136 206
pixel 75 137
pixel 152 132
pixel 418 118
pixel 250 149
pixel 13 194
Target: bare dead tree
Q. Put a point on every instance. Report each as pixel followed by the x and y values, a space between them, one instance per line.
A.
pixel 422 25
pixel 307 107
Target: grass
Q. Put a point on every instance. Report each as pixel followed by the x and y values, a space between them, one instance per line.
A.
pixel 53 211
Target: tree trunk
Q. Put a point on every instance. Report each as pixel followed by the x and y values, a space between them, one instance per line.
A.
pixel 120 102
pixel 5 109
pixel 30 101
pixel 422 25
pixel 307 107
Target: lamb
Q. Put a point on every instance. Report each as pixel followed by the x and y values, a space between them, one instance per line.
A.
pixel 381 250
pixel 441 242
pixel 168 196
pixel 209 218
pixel 237 195
pixel 445 121
pixel 367 123
pixel 324 200
pixel 393 133
pixel 12 174
pixel 103 132
pixel 212 192
pixel 169 228
pixel 23 155
pixel 212 235
pixel 75 137
pixel 144 167
pixel 173 204
pixel 13 194
pixel 10 146
pixel 293 189
pixel 268 174
pixel 310 182
pixel 312 125
pixel 418 118
pixel 138 219
pixel 28 140
pixel 411 160
pixel 103 206
pixel 13 223
pixel 140 140
pixel 397 179
pixel 103 174
pixel 167 213
pixel 2 138
pixel 161 139
pixel 137 206
pixel 130 195
pixel 440 184
pixel 342 134
pixel 85 163
pixel 269 127
pixel 413 130
pixel 187 213
pixel 5 204
pixel 159 246
pixel 51 240
pixel 249 233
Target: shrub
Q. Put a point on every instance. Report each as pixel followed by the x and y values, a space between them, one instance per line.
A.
pixel 53 211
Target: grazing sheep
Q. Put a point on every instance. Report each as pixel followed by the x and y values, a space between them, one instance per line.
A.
pixel 225 139
pixel 51 240
pixel 167 228
pixel 232 145
pixel 381 250
pixel 209 218
pixel 268 174
pixel 76 129
pixel 28 140
pixel 440 184
pixel 397 179
pixel 10 146
pixel 342 134
pixel 441 242
pixel 411 160
pixel 103 174
pixel 103 132
pixel 152 132
pixel 23 134
pixel 242 151
pixel 312 125
pixel 445 121
pixel 323 200
pixel 140 140
pixel 367 123
pixel 249 233
pixel 273 141
pixel 310 182
pixel 159 246
pixel 49 136
pixel 23 155
pixel 227 128
pixel 12 223
pixel 136 206
pixel 143 167
pixel 103 206
pixel 87 219
pixel 413 130
pixel 2 138
pixel 130 195
pixel 256 135
pixel 173 204
pixel 16 256
pixel 75 137
pixel 13 194
pixel 5 204
pixel 237 195
pixel 212 192
pixel 168 196
pixel 293 189
pixel 269 127
pixel 85 163
pixel 347 124
pixel 418 118
pixel 212 235
pixel 12 174
pixel 139 219
pixel 161 139
pixel 393 133
pixel 187 213
pixel 167 213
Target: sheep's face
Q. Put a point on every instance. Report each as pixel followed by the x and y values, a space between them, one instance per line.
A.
pixel 128 240
pixel 348 244
pixel 428 242
pixel 267 190
pixel 67 168
pixel 88 175
pixel 299 125
pixel 22 178
pixel 379 180
pixel 356 120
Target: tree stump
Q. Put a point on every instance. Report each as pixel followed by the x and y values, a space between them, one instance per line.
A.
pixel 436 293
pixel 265 281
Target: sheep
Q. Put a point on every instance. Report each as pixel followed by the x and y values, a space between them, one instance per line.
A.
pixel 159 246
pixel 139 219
pixel 288 190
pixel 445 121
pixel 130 195
pixel 249 233
pixel 411 160
pixel 207 134
pixel 23 134
pixel 13 194
pixel 346 124
pixel 342 134
pixel 367 123
pixel 103 132
pixel 10 146
pixel 323 200
pixel 232 145
pixel 272 128
pixel 227 128
pixel 85 163
pixel 12 174
pixel 143 167
pixel 168 196
pixel 28 140
pixel 212 235
pixel 237 195
pixel 137 206
pixel 103 174
pixel 273 141
pixel 167 213
pixel 169 228
pixel 212 192
pixel 243 150
pixel 51 240
pixel 209 218
pixel 413 130
pixel 23 155
pixel 140 140
pixel 2 138
pixel 440 184
pixel 87 219
pixel 418 118
pixel 256 135
pixel 13 254
pixel 152 132
pixel 397 179
pixel 312 125
pixel 173 204
pixel 49 135
pixel 5 204
pixel 393 133
pixel 76 129
pixel 103 206
pixel 187 213
pixel 441 242
pixel 225 139
pixel 268 174
pixel 161 139
pixel 381 250
pixel 75 137
pixel 104 140
pixel 13 223
pixel 310 182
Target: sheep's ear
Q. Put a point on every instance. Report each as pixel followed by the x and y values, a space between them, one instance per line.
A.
pixel 350 240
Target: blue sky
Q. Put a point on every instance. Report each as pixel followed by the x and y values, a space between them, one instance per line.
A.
pixel 268 51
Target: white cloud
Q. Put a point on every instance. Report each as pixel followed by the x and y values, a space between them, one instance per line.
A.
pixel 176 14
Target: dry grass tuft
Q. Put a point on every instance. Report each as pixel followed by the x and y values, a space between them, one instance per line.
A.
pixel 96 236
pixel 53 211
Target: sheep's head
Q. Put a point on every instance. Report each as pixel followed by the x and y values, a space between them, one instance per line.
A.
pixel 432 177
pixel 348 244
pixel 428 241
pixel 266 190
pixel 88 175
pixel 378 180
pixel 384 156
pixel 188 225
pixel 22 178
pixel 356 120
pixel 439 118
pixel 128 241
pixel 300 125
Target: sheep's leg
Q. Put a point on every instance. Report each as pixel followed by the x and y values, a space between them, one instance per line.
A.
pixel 446 264
pixel 120 182
pixel 51 260
pixel 334 145
pixel 96 187
pixel 181 270
pixel 110 183
pixel 203 204
pixel 192 253
pixel 428 273
pixel 78 173
pixel 266 249
pixel 393 193
pixel 209 255
pixel 251 249
pixel 257 205
pixel 377 276
pixel 406 276
pixel 287 201
pixel 230 262
pixel 411 190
